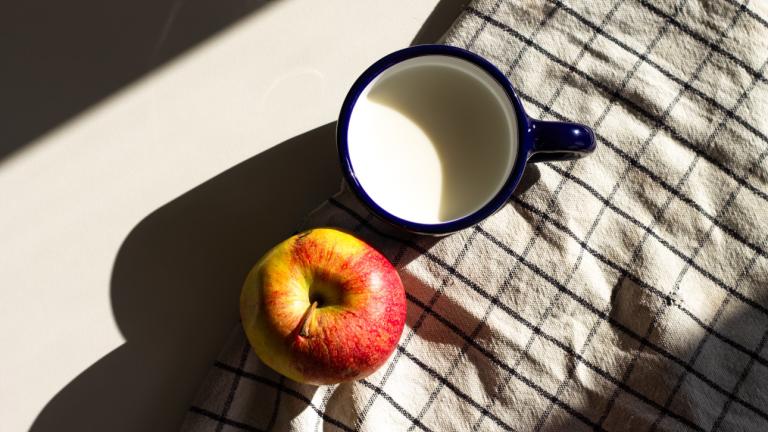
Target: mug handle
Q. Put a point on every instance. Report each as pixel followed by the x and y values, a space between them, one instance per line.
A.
pixel 559 141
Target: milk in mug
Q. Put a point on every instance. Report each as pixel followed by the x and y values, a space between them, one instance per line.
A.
pixel 432 139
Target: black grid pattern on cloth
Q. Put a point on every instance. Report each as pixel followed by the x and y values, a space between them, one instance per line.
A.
pixel 659 313
pixel 537 230
pixel 593 330
pixel 479 352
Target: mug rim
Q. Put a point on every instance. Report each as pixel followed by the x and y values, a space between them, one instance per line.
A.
pixel 513 177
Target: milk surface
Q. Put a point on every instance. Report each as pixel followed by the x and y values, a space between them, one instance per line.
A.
pixel 432 139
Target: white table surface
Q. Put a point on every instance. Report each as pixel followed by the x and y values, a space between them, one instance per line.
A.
pixel 126 231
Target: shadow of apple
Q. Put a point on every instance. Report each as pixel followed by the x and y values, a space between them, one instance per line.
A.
pixel 176 282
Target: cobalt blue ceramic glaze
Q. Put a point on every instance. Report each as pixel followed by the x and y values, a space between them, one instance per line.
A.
pixel 538 140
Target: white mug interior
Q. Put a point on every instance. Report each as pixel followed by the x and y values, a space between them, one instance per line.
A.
pixel 432 139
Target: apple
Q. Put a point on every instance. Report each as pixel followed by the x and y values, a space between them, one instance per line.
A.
pixel 323 307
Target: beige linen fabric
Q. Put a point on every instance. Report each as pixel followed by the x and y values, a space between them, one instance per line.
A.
pixel 624 291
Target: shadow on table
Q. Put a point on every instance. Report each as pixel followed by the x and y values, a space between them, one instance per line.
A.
pixel 176 282
pixel 60 57
pixel 439 21
pixel 64 56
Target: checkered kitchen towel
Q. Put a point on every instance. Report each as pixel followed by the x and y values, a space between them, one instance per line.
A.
pixel 624 291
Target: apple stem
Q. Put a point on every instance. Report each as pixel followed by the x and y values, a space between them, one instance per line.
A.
pixel 307 318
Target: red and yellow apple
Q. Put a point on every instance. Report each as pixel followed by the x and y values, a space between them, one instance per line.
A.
pixel 323 307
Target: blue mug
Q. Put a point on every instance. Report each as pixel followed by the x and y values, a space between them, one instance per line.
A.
pixel 433 139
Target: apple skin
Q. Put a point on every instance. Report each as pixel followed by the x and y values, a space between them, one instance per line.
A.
pixel 359 315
